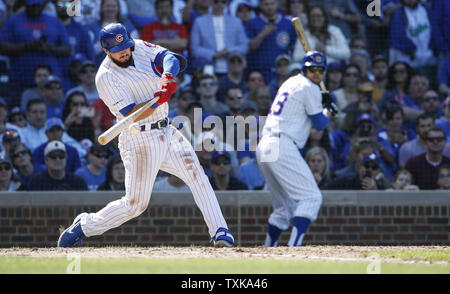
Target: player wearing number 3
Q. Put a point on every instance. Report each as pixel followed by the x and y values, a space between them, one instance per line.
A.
pixel 296 108
pixel 133 73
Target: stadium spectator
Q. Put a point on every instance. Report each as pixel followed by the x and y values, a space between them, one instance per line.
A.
pixel 234 99
pixel 10 138
pixel 411 37
pixel 282 64
pixel 8 180
pixel 431 104
pixel 44 42
pixel 403 180
pixel 87 82
pixel 399 76
pixel 55 177
pixel 271 35
pixel 115 175
pixel 418 145
pixel 41 73
pixel 110 12
pixel 186 96
pixel 170 183
pixel 298 8
pixel 254 80
pixel 379 70
pixel 342 14
pixel 235 75
pixel 34 133
pixel 22 160
pixel 207 90
pixel 53 97
pixel 424 167
pixel 349 92
pixel 103 118
pixel 263 100
pixel 194 9
pixel 94 172
pixel 441 28
pixel 78 38
pixel 323 36
pixel 214 36
pixel 17 117
pixel 4 114
pixel 393 118
pixel 444 121
pixel 91 11
pixel 444 177
pixel 334 76
pixel 221 167
pixel 77 117
pixel 375 29
pixel 141 12
pixel 318 161
pixel 367 174
pixel 165 32
pixel 362 59
pixel 244 12
pixel 54 131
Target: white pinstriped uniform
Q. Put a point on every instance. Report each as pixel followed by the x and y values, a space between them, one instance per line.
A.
pixel 290 180
pixel 145 153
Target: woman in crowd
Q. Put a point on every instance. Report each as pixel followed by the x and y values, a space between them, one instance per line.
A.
pixel 318 162
pixel 323 37
pixel 115 175
pixel 77 117
pixel 349 92
pixel 22 160
pixel 8 180
pixel 399 75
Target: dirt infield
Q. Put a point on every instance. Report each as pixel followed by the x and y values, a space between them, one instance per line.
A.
pixel 337 253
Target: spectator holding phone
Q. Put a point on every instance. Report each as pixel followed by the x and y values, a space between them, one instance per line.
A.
pixel 77 117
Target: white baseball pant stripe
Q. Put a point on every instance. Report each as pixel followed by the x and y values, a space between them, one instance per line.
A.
pixel 144 155
pixel 290 180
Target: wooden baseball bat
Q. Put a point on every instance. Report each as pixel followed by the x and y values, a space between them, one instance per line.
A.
pixel 116 129
pixel 298 26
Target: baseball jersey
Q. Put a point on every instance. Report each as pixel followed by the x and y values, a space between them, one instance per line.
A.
pixel 120 87
pixel 297 98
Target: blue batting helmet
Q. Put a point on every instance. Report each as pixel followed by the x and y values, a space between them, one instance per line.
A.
pixel 314 58
pixel 115 37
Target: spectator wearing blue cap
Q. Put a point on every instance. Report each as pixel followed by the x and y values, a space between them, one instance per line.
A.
pixel 222 178
pixel 41 73
pixel 31 38
pixel 17 117
pixel 54 130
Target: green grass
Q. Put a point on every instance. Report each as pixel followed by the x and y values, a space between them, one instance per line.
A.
pixel 32 265
pixel 427 255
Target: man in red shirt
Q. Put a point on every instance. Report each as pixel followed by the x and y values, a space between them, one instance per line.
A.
pixel 165 32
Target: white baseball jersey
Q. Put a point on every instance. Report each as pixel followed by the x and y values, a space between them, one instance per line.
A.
pixel 294 191
pixel 149 151
pixel 297 98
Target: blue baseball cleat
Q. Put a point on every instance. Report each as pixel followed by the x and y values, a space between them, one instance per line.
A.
pixel 223 238
pixel 73 235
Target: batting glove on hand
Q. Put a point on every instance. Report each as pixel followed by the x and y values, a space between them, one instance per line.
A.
pixel 168 87
pixel 328 99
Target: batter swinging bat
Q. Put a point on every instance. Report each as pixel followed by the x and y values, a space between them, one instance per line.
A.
pixel 302 37
pixel 116 129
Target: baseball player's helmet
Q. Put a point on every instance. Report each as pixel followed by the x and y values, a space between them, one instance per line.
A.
pixel 314 58
pixel 114 37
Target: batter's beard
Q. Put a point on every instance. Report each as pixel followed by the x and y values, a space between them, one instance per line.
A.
pixel 124 64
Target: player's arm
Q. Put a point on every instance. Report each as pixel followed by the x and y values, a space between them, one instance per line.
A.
pixel 320 120
pixel 313 106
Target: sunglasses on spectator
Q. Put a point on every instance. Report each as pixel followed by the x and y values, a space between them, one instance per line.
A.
pixel 100 155
pixel 314 69
pixel 53 86
pixel 371 165
pixel 352 74
pixel 260 79
pixel 223 161
pixel 54 157
pixel 237 97
pixel 5 168
pixel 210 84
pixel 433 98
pixel 435 139
pixel 20 153
pixel 78 104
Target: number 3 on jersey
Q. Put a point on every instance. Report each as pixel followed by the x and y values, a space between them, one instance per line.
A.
pixel 278 104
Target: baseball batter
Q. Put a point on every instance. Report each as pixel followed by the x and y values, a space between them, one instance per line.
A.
pixel 296 108
pixel 133 73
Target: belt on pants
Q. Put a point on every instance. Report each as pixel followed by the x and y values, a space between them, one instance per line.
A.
pixel 160 124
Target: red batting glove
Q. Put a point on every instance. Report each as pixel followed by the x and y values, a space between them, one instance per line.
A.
pixel 168 87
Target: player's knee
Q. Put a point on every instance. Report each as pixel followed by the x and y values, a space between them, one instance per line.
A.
pixel 135 209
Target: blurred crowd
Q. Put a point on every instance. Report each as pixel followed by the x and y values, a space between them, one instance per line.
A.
pixel 390 74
